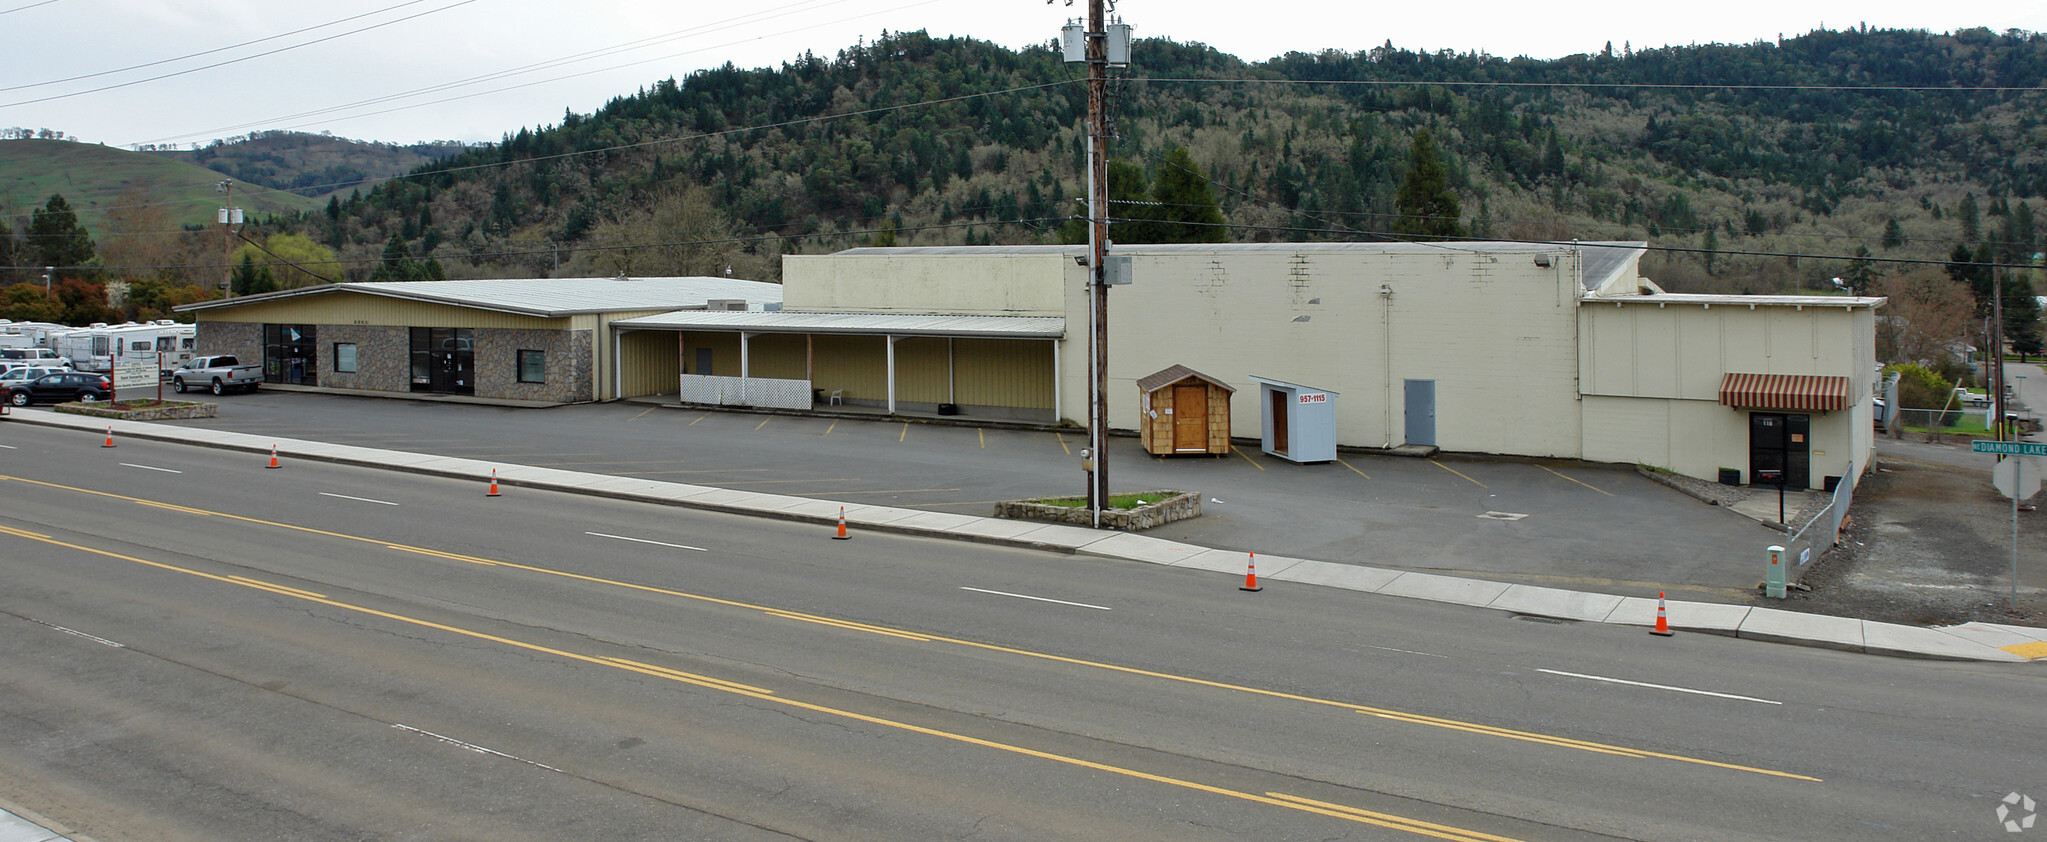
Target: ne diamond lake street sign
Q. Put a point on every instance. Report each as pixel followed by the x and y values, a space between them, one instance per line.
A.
pixel 2010 448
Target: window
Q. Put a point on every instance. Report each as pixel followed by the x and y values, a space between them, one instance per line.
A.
pixel 533 366
pixel 139 345
pixel 344 357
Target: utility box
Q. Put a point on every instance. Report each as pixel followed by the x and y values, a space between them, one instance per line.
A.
pixel 1299 422
pixel 1183 411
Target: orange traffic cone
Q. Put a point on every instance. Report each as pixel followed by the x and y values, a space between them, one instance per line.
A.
pixel 1251 574
pixel 842 526
pixel 273 458
pixel 110 437
pixel 493 483
pixel 1662 621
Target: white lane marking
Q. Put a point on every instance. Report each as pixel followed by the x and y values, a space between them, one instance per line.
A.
pixel 149 468
pixel 1658 686
pixel 1407 651
pixel 1039 599
pixel 473 747
pixel 358 499
pixel 645 541
pixel 76 633
pixel 9 447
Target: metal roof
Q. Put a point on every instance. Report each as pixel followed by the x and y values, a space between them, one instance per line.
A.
pixel 544 297
pixel 1010 327
pixel 1617 250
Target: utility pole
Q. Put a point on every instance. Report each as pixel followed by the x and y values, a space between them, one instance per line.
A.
pixel 230 216
pixel 1098 51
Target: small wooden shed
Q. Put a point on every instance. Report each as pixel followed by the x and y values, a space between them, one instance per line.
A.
pixel 1184 411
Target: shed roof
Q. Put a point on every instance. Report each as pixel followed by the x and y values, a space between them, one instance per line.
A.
pixel 1750 301
pixel 873 324
pixel 544 297
pixel 1174 374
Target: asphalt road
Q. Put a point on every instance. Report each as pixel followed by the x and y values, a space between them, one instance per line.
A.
pixel 195 647
pixel 1579 525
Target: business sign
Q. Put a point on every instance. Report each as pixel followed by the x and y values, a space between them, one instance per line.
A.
pixel 2011 448
pixel 136 372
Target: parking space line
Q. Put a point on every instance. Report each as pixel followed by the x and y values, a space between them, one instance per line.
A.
pixel 834 426
pixel 897 491
pixel 905 434
pixel 1062 444
pixel 699 418
pixel 1353 469
pixel 1254 462
pixel 642 412
pixel 1457 472
pixel 983 437
pixel 1600 490
pixel 764 422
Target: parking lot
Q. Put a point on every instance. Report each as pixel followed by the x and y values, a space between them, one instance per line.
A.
pixel 1552 522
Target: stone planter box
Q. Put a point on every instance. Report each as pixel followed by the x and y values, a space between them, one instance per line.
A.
pixel 1174 506
pixel 168 410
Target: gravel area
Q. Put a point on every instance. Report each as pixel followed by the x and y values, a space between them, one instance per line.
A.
pixel 1930 543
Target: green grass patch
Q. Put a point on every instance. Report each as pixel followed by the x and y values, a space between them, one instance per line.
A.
pixel 1116 501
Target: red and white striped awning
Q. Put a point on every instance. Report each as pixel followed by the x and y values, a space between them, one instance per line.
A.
pixel 1813 392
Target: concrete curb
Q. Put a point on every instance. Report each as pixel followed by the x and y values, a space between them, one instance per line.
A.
pixel 1972 642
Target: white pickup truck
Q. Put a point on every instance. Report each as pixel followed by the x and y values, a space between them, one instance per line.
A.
pixel 217 373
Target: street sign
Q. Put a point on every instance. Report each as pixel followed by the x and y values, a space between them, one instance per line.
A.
pixel 2010 448
pixel 2016 478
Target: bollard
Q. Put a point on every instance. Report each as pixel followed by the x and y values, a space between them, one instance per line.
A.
pixel 1773 585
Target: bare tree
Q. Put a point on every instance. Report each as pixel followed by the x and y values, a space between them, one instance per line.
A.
pixel 1928 320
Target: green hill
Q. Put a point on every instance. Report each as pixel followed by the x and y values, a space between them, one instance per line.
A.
pixel 310 164
pixel 94 178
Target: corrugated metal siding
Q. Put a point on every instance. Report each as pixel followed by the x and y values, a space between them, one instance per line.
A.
pixel 1003 372
pixel 724 353
pixel 856 364
pixel 651 362
pixel 350 308
pixel 921 370
pixel 777 355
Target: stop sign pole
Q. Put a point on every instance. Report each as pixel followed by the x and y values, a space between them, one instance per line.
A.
pixel 2016 476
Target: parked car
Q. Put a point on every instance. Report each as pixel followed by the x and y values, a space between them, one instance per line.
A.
pixel 15 357
pixel 62 388
pixel 19 375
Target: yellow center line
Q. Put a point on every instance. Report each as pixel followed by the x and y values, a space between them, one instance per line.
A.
pixel 1353 469
pixel 1062 444
pixel 764 422
pixel 1455 471
pixel 1254 462
pixel 1414 718
pixel 1338 811
pixel 1602 491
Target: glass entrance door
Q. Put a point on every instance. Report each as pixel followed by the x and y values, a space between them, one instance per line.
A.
pixel 444 360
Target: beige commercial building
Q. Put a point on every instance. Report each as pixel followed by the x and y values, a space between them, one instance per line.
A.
pixel 1508 348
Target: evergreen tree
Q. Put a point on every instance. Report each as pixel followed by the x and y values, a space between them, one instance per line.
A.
pixel 251 279
pixel 1425 206
pixel 1894 236
pixel 1187 210
pixel 1971 222
pixel 55 238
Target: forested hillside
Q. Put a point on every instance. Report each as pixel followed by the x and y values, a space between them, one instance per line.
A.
pixel 1765 167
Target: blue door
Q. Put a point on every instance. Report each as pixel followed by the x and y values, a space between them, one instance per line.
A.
pixel 1421 412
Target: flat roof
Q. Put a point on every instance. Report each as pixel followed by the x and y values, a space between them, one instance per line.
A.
pixel 544 297
pixel 1619 248
pixel 1664 298
pixel 993 327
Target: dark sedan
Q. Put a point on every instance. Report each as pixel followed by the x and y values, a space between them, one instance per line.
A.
pixel 62 388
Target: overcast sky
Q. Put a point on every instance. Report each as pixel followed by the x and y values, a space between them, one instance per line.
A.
pixel 393 70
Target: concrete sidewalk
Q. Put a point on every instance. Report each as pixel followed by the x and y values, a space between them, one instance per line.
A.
pixel 17 828
pixel 1971 642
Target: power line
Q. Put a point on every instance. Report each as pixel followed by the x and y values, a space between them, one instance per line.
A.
pixel 235 60
pixel 25 8
pixel 207 52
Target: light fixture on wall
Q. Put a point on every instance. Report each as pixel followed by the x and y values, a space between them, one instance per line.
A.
pixel 1542 260
pixel 1386 290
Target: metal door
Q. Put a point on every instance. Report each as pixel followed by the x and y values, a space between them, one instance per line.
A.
pixel 1190 419
pixel 1781 442
pixel 1421 412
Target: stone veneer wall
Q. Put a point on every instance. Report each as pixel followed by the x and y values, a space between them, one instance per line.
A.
pixel 242 339
pixel 568 379
pixel 1181 506
pixel 383 357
